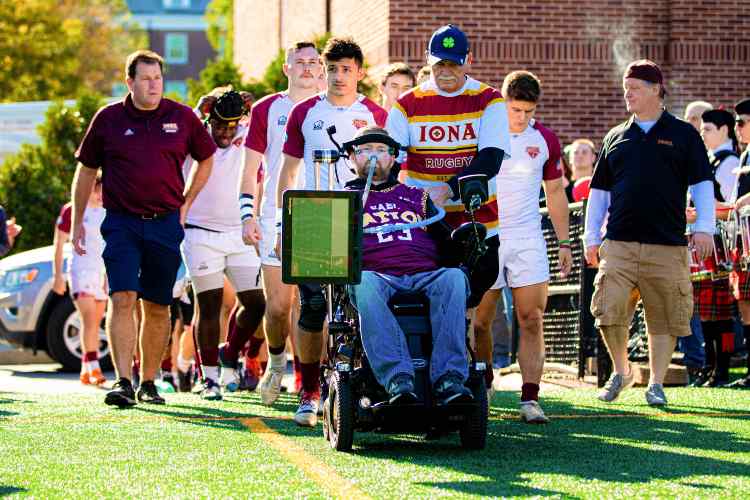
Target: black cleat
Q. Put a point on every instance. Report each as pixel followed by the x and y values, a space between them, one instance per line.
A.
pixel 148 393
pixel 185 381
pixel 450 389
pixel 742 383
pixel 122 394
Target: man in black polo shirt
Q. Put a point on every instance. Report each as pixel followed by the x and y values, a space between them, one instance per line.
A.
pixel 642 176
pixel 140 144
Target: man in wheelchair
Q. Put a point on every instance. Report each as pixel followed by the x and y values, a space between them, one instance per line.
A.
pixel 406 260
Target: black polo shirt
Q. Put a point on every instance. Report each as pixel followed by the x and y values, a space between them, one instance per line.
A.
pixel 647 175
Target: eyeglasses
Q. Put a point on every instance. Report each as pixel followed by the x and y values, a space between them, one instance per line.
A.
pixel 380 153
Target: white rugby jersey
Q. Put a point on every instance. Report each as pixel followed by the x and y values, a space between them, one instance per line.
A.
pixel 534 157
pixel 92 223
pixel 306 132
pixel 266 136
pixel 217 206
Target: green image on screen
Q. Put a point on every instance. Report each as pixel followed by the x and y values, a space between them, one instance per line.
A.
pixel 320 237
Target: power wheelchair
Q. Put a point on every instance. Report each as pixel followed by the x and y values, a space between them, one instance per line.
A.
pixel 355 401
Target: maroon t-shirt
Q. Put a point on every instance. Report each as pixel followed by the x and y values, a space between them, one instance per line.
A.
pixel 141 154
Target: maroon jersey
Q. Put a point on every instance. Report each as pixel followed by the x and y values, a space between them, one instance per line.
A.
pixel 400 252
pixel 141 154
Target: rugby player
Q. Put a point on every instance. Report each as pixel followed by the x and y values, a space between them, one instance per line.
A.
pixel 535 162
pixel 213 243
pixel 343 107
pixel 264 142
pixel 88 281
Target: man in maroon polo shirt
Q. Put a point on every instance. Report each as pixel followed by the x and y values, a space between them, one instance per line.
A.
pixel 140 144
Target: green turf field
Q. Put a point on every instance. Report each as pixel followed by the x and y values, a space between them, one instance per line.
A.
pixel 75 447
pixel 321 237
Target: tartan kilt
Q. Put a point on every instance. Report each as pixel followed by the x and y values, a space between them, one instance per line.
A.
pixel 713 300
pixel 740 281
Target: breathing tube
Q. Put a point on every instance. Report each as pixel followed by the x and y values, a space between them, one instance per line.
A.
pixel 390 228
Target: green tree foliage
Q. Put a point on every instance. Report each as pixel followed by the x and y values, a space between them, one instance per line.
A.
pixel 53 49
pixel 220 29
pixel 218 73
pixel 35 182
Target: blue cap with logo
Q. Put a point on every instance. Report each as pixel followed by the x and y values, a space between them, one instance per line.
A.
pixel 448 43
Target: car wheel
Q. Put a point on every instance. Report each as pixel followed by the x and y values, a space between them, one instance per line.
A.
pixel 64 340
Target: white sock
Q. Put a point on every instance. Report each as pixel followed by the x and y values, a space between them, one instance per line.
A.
pixel 211 372
pixel 277 362
pixel 92 365
pixel 183 364
pixel 228 375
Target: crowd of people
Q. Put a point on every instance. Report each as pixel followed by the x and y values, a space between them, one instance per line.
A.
pixel 160 185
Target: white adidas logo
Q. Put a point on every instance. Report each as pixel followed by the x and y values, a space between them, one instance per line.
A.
pixel 129 132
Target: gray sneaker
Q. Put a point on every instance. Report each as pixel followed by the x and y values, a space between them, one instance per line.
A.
pixel 655 395
pixel 615 385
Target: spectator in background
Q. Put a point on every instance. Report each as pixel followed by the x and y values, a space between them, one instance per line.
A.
pixel 581 156
pixel 694 111
pixel 397 79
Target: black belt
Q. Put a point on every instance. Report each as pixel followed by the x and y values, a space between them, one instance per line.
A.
pixel 150 216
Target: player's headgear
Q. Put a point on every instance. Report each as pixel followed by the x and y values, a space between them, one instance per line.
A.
pixel 229 108
pixel 371 134
pixel 448 43
pixel 646 70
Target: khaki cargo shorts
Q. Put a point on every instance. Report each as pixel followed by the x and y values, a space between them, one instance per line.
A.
pixel 661 275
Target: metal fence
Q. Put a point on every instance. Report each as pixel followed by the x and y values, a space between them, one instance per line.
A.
pixel 569 332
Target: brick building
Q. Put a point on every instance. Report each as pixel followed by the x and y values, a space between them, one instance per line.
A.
pixel 578 48
pixel 176 29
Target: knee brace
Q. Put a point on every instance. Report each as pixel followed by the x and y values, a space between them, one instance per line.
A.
pixel 312 312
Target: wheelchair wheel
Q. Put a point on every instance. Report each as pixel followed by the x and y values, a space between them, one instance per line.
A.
pixel 340 416
pixel 473 431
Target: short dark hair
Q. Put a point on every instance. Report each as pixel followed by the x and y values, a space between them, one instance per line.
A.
pixel 144 56
pixel 302 44
pixel 343 48
pixel 522 86
pixel 399 68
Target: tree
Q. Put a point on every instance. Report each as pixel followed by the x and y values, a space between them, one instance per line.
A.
pixel 220 27
pixel 218 73
pixel 35 182
pixel 54 49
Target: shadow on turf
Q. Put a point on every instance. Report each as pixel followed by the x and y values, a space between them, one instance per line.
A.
pixel 589 449
pixel 10 490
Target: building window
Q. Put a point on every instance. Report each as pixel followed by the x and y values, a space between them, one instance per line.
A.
pixel 176 48
pixel 119 89
pixel 176 4
pixel 176 88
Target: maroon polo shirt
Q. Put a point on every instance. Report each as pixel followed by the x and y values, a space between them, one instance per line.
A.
pixel 141 154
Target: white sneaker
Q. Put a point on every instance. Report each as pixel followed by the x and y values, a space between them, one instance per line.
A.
pixel 211 391
pixel 230 379
pixel 270 385
pixel 532 413
pixel 307 413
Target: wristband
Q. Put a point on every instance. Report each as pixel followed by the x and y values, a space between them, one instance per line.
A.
pixel 564 242
pixel 247 210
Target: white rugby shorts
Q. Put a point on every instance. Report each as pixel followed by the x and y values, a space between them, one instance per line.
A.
pixel 523 262
pixel 268 255
pixel 89 281
pixel 213 253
